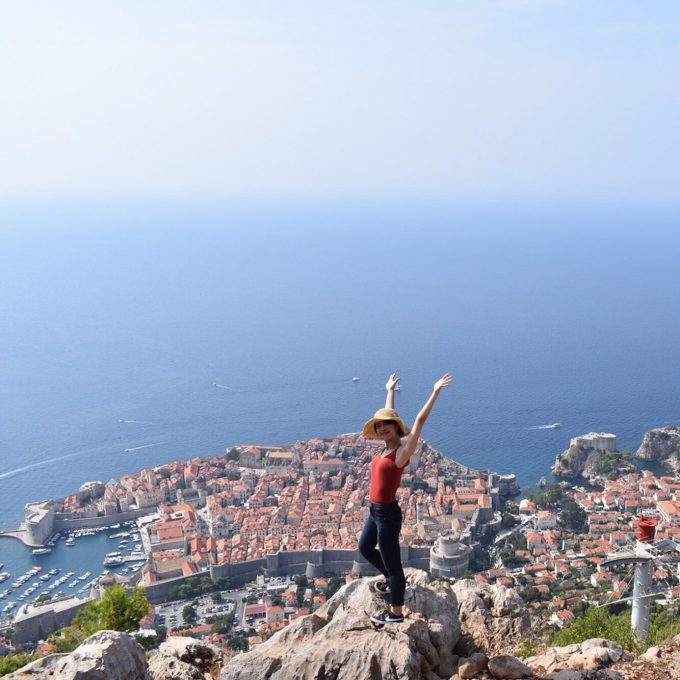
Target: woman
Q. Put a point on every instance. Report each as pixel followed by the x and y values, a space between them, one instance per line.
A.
pixel 384 519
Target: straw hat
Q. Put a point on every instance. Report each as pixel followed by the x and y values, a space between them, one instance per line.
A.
pixel 384 414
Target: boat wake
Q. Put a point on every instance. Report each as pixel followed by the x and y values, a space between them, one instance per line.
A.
pixel 552 426
pixel 24 468
pixel 136 422
pixel 225 387
pixel 145 446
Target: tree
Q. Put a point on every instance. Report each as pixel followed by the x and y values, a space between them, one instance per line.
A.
pixel 239 643
pixel 116 610
pixel 188 613
pixel 574 517
pixel 222 624
pixel 119 611
pixel 334 584
pixel 232 454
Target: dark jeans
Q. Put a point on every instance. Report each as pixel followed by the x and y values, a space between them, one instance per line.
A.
pixel 382 529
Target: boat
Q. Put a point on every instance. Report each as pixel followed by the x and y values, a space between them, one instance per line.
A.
pixel 41 551
pixel 554 426
pixel 114 561
pixel 70 541
pixel 355 379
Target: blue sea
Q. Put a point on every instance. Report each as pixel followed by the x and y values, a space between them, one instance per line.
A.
pixel 132 334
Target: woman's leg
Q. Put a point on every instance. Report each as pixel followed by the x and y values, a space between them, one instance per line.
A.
pixel 367 543
pixel 389 526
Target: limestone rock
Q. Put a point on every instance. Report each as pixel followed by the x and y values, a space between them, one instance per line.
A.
pixel 182 658
pixel 653 654
pixel 339 640
pixel 662 444
pixel 106 655
pixel 507 666
pixel 581 461
pixel 493 616
pixel 589 655
pixel 585 675
pixel 472 666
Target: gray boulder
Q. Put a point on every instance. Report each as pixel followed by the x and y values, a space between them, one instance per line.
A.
pixel 590 655
pixel 472 666
pixel 493 616
pixel 182 658
pixel 106 655
pixel 339 640
pixel 508 667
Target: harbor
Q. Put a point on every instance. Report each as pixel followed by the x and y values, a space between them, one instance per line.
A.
pixel 69 565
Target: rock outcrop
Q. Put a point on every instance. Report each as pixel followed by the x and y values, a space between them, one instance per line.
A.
pixel 590 655
pixel 662 444
pixel 180 658
pixel 339 641
pixel 106 655
pixel 494 617
pixel 591 464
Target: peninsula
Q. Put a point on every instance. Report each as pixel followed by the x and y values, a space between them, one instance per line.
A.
pixel 277 509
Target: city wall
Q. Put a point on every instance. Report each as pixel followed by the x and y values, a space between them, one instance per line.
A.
pixel 314 563
pixel 62 523
pixel 45 620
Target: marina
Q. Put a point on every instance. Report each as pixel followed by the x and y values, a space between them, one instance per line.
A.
pixel 30 577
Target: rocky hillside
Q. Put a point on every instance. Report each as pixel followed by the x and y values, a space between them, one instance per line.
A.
pixel 591 464
pixel 339 642
pixel 662 444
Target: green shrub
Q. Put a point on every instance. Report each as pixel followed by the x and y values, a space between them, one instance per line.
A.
pixel 597 623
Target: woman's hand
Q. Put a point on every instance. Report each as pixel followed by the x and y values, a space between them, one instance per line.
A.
pixel 442 382
pixel 392 382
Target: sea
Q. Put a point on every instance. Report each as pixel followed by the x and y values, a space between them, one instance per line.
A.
pixel 136 333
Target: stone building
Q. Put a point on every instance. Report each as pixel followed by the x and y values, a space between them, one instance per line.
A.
pixel 600 441
pixel 449 557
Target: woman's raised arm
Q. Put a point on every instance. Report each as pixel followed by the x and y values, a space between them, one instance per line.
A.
pixel 391 383
pixel 405 452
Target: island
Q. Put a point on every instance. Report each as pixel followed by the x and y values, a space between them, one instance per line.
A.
pixel 662 444
pixel 593 457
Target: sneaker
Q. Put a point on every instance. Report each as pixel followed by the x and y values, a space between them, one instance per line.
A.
pixel 382 587
pixel 387 617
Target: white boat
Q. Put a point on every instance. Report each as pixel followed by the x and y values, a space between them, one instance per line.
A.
pixel 355 379
pixel 41 551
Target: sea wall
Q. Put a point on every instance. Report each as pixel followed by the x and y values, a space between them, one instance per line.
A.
pixel 40 622
pixel 62 523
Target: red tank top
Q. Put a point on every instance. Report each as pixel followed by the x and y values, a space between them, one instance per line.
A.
pixel 385 478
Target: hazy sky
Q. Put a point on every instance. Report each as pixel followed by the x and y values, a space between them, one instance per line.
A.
pixel 463 99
